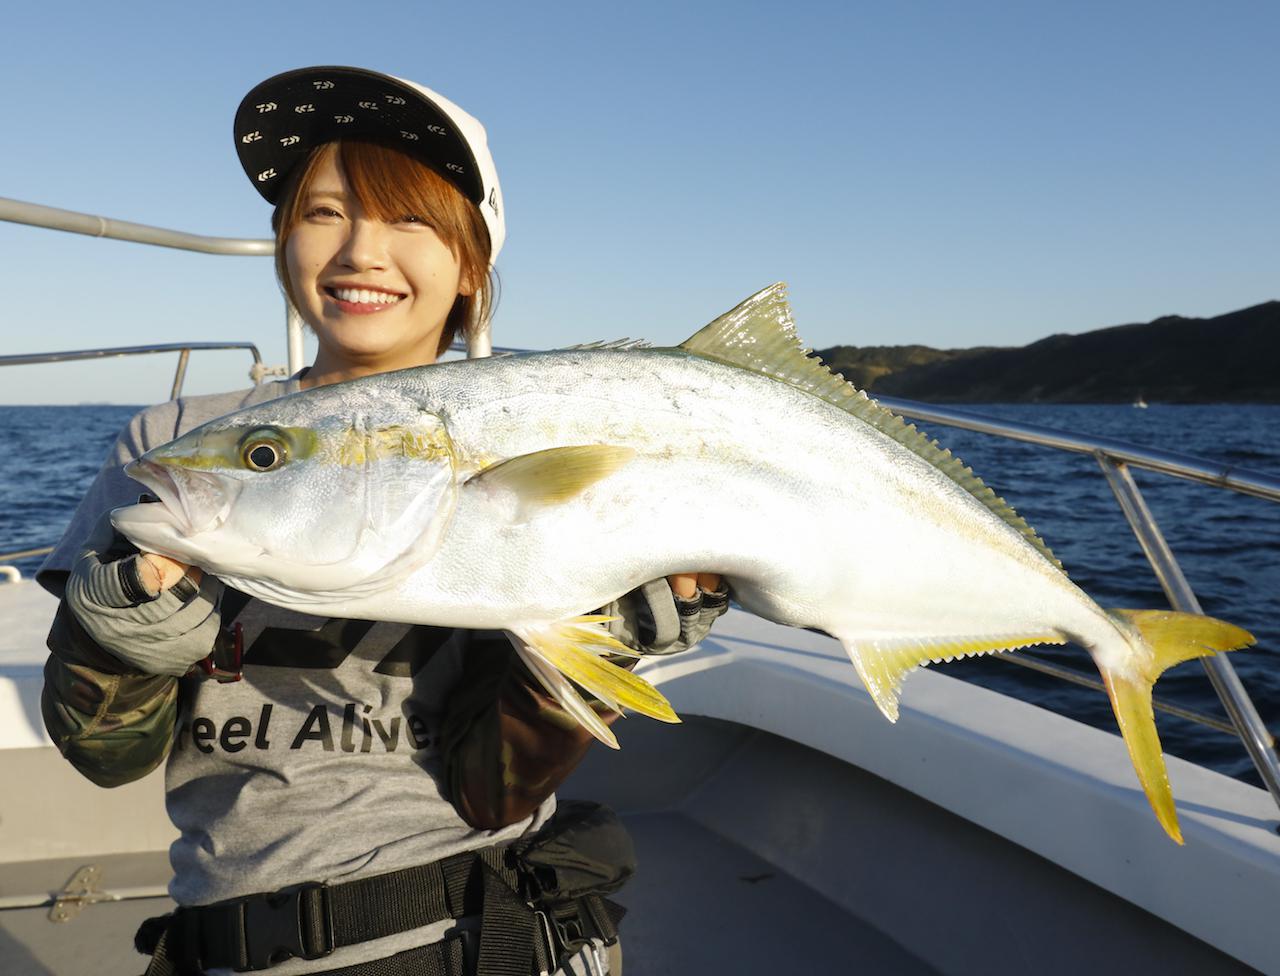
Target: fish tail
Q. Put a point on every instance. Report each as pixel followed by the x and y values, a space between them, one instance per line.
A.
pixel 576 649
pixel 1159 640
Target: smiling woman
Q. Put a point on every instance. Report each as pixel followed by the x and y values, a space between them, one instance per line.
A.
pixel 388 219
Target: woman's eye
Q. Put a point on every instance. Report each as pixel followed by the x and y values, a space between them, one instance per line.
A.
pixel 263 456
pixel 413 219
pixel 323 212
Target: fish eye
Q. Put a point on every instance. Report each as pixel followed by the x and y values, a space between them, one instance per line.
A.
pixel 263 451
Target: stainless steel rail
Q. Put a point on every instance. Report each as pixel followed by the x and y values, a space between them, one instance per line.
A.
pixel 1184 466
pixel 1116 457
pixel 36 215
pixel 183 349
pixel 51 218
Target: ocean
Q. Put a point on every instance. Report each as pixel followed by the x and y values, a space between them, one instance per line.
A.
pixel 1228 544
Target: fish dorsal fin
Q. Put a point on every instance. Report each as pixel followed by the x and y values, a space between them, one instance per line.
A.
pixel 760 335
pixel 615 345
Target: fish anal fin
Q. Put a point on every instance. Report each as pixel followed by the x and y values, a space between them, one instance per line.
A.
pixel 578 649
pixel 555 475
pixel 883 662
pixel 565 695
pixel 760 335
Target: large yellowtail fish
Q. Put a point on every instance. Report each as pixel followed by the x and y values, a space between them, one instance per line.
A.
pixel 523 492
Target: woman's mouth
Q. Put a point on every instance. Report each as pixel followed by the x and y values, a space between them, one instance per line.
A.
pixel 362 301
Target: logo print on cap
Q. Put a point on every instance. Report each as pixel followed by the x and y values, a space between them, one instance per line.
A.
pixel 411 136
pixel 322 85
pixel 251 137
pixel 455 167
pixel 393 99
pixel 267 174
pixel 266 107
pixel 290 140
pixel 493 200
pixel 304 108
pixel 371 106
pixel 438 130
pixel 344 119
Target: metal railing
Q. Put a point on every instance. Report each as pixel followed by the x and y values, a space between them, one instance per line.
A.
pixel 184 349
pixel 37 215
pixel 1114 456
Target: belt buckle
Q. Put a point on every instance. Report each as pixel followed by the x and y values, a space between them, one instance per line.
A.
pixel 553 944
pixel 274 930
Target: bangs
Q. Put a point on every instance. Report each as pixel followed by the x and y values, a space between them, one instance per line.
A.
pixel 391 185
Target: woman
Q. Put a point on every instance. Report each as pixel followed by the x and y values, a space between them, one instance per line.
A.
pixel 331 777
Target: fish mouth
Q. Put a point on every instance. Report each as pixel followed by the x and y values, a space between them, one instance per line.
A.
pixel 198 502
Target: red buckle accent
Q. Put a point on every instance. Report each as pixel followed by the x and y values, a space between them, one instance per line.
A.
pixel 224 675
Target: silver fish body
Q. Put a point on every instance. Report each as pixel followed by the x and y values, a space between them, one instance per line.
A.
pixel 523 492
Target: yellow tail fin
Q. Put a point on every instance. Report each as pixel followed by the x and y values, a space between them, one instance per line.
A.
pixel 575 649
pixel 1162 639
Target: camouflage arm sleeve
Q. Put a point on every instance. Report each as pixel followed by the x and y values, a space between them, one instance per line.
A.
pixel 508 745
pixel 112 723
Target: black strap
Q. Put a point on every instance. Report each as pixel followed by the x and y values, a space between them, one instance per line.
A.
pixel 310 921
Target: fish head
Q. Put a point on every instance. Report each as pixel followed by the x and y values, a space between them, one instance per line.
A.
pixel 327 491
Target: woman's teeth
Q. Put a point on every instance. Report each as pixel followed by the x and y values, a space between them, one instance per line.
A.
pixel 362 296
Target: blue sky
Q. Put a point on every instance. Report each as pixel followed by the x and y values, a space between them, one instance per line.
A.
pixel 944 173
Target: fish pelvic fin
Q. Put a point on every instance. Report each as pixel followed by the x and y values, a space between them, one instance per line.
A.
pixel 1161 639
pixel 576 650
pixel 555 475
pixel 884 662
pixel 760 335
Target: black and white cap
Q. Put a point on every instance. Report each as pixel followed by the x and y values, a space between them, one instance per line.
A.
pixel 285 117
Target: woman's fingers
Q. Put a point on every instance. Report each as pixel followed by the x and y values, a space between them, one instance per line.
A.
pixel 686 585
pixel 159 572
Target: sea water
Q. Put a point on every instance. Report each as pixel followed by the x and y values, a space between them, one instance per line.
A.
pixel 1227 544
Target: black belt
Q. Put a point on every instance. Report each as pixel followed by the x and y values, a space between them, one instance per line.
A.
pixel 309 921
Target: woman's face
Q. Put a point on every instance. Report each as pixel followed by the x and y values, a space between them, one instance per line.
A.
pixel 376 293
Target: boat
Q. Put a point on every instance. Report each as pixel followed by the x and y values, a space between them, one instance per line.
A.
pixel 784 827
pixel 1139 403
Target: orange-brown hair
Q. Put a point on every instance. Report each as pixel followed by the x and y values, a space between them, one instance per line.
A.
pixel 388 184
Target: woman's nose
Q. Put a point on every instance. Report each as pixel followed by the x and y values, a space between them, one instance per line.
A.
pixel 365 247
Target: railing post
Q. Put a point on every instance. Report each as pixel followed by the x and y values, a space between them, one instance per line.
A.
pixel 180 374
pixel 1222 675
pixel 293 337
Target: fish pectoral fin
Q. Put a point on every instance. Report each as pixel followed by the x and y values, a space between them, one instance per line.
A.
pixel 1161 639
pixel 555 475
pixel 576 649
pixel 883 662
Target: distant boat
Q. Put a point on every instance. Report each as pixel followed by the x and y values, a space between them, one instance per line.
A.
pixel 1140 403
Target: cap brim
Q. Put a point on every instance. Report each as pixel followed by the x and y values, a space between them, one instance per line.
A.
pixel 281 120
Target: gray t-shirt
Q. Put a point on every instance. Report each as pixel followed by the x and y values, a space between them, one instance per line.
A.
pixel 323 763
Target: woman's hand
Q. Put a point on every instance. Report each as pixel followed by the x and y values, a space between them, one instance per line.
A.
pixel 686 585
pixel 155 614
